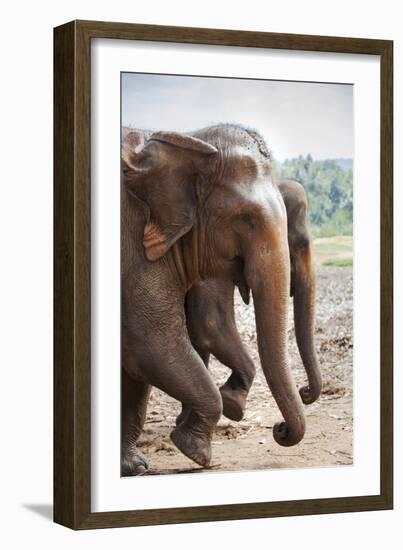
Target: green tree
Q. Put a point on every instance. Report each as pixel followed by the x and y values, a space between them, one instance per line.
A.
pixel 329 188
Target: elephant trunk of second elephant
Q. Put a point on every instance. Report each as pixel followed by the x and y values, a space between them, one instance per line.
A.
pixel 269 280
pixel 304 319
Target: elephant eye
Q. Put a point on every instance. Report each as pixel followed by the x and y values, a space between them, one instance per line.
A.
pixel 248 220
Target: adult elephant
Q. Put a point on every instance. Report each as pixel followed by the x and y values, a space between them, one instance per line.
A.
pixel 211 321
pixel 195 207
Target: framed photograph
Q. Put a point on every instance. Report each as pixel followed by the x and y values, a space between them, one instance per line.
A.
pixel 222 274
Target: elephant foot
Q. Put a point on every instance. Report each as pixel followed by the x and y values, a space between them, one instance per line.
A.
pixel 234 402
pixel 134 464
pixel 194 447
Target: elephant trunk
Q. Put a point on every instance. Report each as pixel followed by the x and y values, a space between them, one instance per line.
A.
pixel 304 320
pixel 268 275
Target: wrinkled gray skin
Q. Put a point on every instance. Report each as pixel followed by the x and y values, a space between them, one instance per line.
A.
pixel 193 208
pixel 211 322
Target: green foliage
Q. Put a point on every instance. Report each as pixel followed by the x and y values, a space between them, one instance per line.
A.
pixel 348 262
pixel 329 188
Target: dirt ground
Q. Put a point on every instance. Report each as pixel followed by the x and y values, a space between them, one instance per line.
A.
pixel 249 445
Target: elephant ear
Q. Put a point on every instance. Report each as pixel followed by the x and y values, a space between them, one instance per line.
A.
pixel 185 142
pixel 173 208
pixel 157 241
pixel 133 141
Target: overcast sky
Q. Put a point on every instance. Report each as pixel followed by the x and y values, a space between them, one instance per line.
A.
pixel 294 117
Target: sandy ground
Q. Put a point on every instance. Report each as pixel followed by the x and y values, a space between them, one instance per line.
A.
pixel 249 445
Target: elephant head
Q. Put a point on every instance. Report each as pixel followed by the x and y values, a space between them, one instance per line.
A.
pixel 213 211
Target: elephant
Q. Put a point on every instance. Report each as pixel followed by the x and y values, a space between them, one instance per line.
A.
pixel 194 207
pixel 211 321
pixel 210 315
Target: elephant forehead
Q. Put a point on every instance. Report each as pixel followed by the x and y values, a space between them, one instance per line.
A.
pixel 242 164
pixel 264 195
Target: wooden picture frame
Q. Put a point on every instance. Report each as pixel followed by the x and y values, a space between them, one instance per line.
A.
pixel 72 269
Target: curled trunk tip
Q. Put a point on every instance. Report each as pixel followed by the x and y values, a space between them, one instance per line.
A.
pixel 309 394
pixel 287 436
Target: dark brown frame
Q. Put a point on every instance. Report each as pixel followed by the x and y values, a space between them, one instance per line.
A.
pixel 72 320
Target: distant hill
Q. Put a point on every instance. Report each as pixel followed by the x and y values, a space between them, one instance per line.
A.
pixel 346 164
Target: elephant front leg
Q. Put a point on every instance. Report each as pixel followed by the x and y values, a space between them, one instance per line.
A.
pixel 212 329
pixel 135 396
pixel 185 378
pixel 230 351
pixel 235 391
pixel 205 357
pixel 222 339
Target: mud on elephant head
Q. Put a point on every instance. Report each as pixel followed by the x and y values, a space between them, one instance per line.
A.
pixel 211 209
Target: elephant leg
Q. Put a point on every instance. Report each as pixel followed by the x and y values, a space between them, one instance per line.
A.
pixel 212 329
pixel 184 377
pixel 135 396
pixel 225 344
pixel 205 357
pixel 235 390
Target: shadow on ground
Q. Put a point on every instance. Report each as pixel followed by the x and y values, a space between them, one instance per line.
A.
pixel 44 510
